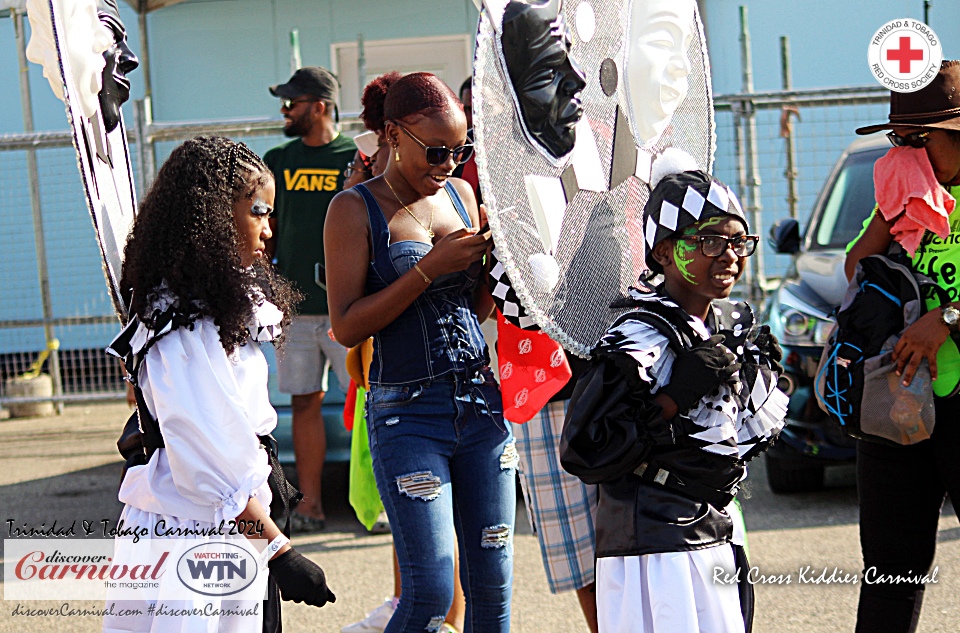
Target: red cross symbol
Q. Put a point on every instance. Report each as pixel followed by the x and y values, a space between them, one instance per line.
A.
pixel 905 55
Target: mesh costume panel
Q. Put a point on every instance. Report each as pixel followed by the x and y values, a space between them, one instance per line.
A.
pixel 600 250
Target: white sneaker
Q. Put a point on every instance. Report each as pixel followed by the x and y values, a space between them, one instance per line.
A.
pixel 375 622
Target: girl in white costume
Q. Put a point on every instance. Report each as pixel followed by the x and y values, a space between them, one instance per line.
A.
pixel 202 298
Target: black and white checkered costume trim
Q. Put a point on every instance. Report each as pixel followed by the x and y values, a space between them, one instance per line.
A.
pixel 739 419
pixel 506 299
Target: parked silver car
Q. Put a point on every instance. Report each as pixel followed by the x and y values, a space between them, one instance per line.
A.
pixel 800 314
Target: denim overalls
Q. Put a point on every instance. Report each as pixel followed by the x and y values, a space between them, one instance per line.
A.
pixel 442 455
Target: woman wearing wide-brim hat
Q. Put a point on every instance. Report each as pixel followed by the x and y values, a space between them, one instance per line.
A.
pixel 902 488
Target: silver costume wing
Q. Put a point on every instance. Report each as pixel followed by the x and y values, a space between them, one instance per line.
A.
pixel 569 226
pixel 103 159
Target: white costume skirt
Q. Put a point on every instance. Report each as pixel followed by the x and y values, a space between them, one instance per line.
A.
pixel 147 622
pixel 673 592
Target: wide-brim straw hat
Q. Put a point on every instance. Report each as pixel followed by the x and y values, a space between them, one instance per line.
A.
pixel 936 105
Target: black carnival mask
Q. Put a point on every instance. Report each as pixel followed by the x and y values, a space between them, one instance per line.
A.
pixel 546 80
pixel 120 60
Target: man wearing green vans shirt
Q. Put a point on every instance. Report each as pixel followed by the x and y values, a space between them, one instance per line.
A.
pixel 309 172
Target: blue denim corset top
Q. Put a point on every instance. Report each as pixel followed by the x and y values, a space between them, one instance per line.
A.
pixel 439 333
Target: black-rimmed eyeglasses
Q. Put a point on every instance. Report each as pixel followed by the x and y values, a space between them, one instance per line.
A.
pixel 439 155
pixel 915 139
pixel 717 245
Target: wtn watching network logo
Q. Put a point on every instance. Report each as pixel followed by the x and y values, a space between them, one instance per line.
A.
pixel 217 569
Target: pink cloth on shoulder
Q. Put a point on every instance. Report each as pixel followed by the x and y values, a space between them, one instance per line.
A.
pixel 906 189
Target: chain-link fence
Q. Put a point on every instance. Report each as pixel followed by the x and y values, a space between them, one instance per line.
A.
pixel 804 129
pixel 82 321
pixel 798 136
pixel 82 318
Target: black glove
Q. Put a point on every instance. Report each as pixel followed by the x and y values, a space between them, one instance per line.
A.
pixel 699 371
pixel 300 579
pixel 767 343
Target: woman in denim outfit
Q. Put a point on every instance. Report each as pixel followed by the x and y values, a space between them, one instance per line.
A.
pixel 403 260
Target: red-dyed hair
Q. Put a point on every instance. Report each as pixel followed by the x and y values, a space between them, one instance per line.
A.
pixel 395 97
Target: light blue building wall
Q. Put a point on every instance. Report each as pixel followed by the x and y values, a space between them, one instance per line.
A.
pixel 213 59
pixel 828 38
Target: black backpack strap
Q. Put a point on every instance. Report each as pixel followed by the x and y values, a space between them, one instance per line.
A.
pixel 677 331
pixel 928 287
pixel 285 496
pixel 149 426
pixel 141 435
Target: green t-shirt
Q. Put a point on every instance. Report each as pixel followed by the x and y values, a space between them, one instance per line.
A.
pixel 939 259
pixel 307 180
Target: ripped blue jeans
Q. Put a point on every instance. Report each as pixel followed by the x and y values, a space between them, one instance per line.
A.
pixel 444 460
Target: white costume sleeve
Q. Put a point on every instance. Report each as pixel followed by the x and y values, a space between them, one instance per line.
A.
pixel 214 455
pixel 647 346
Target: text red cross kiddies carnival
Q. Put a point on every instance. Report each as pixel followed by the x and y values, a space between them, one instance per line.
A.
pixel 905 55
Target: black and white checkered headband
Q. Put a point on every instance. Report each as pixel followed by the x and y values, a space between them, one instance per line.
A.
pixel 680 200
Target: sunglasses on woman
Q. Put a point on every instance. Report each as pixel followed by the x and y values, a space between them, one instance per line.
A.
pixel 915 139
pixel 437 156
pixel 717 245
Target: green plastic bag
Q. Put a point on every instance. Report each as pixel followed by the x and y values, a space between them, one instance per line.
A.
pixel 363 494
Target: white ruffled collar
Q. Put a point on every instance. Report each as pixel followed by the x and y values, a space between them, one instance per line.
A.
pixel 263 325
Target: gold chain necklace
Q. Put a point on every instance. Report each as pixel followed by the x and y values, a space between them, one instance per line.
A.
pixel 426 227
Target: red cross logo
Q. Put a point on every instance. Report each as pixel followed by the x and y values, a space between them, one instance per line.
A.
pixel 905 55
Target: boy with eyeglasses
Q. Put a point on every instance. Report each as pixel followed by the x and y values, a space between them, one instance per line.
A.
pixel 309 171
pixel 681 393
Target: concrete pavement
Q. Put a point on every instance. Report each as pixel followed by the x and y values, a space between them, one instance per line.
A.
pixel 67 468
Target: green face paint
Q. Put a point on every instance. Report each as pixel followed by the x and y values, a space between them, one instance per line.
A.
pixel 683 256
pixel 683 250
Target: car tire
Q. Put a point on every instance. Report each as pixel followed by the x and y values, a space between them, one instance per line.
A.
pixel 786 475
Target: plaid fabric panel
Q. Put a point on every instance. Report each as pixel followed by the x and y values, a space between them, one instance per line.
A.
pixel 562 509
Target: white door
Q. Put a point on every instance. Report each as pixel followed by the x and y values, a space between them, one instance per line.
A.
pixel 450 57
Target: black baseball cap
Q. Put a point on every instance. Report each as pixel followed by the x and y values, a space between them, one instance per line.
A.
pixel 310 80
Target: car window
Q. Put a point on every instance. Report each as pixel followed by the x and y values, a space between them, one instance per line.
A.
pixel 849 202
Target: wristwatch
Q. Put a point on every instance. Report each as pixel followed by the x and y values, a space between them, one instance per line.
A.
pixel 951 318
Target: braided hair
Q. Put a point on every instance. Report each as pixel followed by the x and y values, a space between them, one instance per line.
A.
pixel 185 236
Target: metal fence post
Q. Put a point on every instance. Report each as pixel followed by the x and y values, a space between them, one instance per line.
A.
pixel 755 206
pixel 361 64
pixel 786 129
pixel 146 159
pixel 740 150
pixel 295 61
pixel 26 104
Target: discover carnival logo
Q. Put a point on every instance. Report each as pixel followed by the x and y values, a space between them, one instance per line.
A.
pixel 122 569
pixel 904 55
